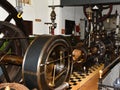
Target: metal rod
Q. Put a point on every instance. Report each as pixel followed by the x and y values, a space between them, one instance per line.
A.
pixel 8 38
pixel 17 60
pixel 5 73
pixel 55 6
pixel 106 69
pixel 64 86
pixel 119 71
pixel 61 57
pixel 11 59
pixel 60 74
pixel 53 81
pixel 47 63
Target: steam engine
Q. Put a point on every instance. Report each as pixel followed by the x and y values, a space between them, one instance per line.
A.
pixel 55 62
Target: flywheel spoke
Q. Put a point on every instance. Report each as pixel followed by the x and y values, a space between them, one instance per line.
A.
pixel 11 68
pixel 60 73
pixel 5 73
pixel 8 18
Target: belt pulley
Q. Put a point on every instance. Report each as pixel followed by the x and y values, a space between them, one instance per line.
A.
pixel 47 63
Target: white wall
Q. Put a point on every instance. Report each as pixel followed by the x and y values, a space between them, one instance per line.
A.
pixel 39 10
pixel 70 13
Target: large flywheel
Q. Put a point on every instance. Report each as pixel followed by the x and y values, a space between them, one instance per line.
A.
pixel 13 45
pixel 47 63
pixel 11 15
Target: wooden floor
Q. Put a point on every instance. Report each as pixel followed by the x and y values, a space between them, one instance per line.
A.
pixel 85 82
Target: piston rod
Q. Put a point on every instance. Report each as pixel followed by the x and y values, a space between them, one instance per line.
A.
pixel 17 60
pixel 47 63
pixel 11 59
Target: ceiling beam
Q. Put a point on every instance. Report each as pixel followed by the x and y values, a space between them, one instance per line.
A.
pixel 87 2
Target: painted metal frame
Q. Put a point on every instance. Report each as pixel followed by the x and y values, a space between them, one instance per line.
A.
pixel 86 2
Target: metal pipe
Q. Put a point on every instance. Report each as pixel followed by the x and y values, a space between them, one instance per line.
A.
pixel 65 85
